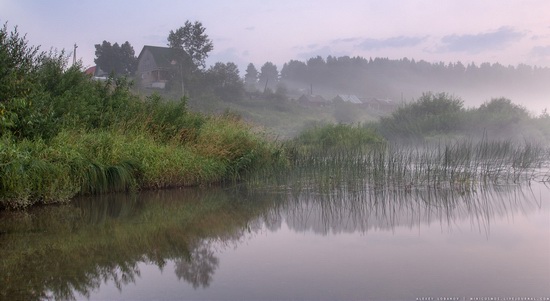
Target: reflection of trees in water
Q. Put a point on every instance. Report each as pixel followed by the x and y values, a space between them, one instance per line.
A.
pixel 57 252
pixel 198 269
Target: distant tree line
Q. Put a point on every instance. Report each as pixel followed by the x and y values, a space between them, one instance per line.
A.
pixel 383 77
pixel 378 77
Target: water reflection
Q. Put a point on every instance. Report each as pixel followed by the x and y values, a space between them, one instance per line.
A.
pixel 70 251
pixel 199 268
pixel 344 210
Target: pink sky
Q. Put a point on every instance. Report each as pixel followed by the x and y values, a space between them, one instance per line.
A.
pixel 247 31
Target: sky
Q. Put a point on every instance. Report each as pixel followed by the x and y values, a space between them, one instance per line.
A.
pixel 258 31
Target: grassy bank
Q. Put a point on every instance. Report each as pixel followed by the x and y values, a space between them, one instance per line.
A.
pixel 116 159
pixel 63 134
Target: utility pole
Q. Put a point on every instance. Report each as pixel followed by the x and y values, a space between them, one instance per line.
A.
pixel 74 54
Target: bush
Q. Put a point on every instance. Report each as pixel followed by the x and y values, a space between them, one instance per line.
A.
pixel 336 136
pixel 431 114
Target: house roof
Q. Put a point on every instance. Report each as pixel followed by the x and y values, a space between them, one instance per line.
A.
pixel 350 98
pixel 164 56
pixel 90 71
pixel 96 72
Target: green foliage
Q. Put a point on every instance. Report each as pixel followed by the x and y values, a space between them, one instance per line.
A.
pixel 224 81
pixel 18 65
pixel 65 134
pixel 268 77
pixel 192 38
pixel 49 96
pixel 229 139
pixel 431 114
pixel 334 136
pixel 251 78
pixel 440 116
pixel 499 114
pixel 118 59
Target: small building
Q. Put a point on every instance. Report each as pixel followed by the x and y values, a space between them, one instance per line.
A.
pixel 96 73
pixel 386 105
pixel 348 98
pixel 157 65
pixel 313 100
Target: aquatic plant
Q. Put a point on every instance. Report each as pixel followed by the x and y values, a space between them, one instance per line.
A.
pixel 459 165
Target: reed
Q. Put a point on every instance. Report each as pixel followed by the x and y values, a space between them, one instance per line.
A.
pixel 459 165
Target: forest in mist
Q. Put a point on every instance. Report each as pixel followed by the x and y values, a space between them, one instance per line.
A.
pixel 406 79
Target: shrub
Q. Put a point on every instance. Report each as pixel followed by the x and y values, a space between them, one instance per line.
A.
pixel 431 114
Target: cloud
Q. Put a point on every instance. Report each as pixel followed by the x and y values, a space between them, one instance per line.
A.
pixel 250 28
pixel 541 51
pixel 475 43
pixel 393 42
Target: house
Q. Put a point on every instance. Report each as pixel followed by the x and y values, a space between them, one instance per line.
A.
pixel 315 100
pixel 348 98
pixel 386 105
pixel 96 73
pixel 157 65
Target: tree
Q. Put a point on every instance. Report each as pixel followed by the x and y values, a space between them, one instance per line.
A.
pixel 192 38
pixel 225 81
pixel 269 76
pixel 117 59
pixel 251 77
pixel 295 71
pixel 18 64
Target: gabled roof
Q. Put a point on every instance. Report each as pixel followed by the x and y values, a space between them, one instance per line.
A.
pixel 95 71
pixel 90 71
pixel 164 56
pixel 350 98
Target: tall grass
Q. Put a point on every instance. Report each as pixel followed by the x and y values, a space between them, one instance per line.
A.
pixel 101 161
pixel 461 165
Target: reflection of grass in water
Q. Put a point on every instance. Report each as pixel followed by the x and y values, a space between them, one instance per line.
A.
pixel 346 209
pixel 381 179
pixel 58 250
pixel 459 166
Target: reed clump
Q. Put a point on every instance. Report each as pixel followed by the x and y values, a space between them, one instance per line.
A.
pixel 460 165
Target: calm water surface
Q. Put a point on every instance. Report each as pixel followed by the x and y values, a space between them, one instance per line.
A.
pixel 283 244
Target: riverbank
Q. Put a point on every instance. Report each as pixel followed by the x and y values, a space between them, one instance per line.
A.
pixel 77 162
pixel 64 134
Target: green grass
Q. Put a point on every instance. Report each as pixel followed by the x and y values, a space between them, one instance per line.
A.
pixel 109 160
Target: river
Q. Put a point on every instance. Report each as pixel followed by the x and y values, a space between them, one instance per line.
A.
pixel 283 243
